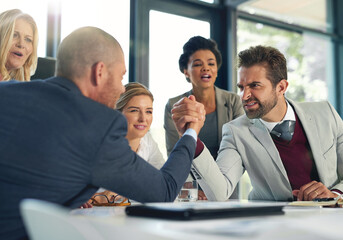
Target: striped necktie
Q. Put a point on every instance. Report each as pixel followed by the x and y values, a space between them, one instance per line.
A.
pixel 284 130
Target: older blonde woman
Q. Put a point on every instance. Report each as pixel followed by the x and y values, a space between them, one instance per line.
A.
pixel 18 45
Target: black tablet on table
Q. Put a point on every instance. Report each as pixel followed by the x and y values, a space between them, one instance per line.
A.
pixel 205 210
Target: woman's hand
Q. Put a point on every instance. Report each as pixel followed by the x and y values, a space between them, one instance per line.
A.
pixel 201 195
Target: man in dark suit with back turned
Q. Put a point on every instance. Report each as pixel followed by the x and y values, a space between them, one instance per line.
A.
pixel 60 139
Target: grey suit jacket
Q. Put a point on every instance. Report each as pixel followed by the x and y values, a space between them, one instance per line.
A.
pixel 247 145
pixel 229 106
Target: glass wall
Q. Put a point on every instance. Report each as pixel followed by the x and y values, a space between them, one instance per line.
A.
pixel 306 13
pixel 111 16
pixel 307 57
pixel 165 47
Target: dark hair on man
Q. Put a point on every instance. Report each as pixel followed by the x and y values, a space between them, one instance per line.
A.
pixel 271 58
pixel 198 43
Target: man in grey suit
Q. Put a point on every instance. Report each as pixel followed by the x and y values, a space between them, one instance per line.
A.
pixel 60 139
pixel 290 150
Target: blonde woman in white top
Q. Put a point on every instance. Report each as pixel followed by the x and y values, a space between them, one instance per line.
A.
pixel 136 104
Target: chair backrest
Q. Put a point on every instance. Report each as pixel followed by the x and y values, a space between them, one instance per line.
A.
pixel 44 220
pixel 45 68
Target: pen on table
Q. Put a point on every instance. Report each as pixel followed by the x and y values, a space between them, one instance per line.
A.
pixel 323 199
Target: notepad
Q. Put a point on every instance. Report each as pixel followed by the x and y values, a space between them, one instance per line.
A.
pixel 204 210
pixel 318 202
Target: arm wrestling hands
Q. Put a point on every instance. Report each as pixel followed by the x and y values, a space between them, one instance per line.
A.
pixel 188 113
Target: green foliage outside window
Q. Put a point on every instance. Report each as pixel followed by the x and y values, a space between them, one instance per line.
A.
pixel 306 57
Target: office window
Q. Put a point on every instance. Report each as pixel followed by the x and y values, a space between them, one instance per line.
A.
pixel 308 58
pixel 306 13
pixel 39 14
pixel 168 34
pixel 206 1
pixel 111 16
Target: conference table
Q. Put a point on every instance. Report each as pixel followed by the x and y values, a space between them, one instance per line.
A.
pixel 296 222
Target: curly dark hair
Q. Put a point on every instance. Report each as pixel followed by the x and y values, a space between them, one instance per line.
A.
pixel 198 43
pixel 271 58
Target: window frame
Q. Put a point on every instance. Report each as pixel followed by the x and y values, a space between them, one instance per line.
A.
pixel 335 87
pixel 222 13
pixel 215 14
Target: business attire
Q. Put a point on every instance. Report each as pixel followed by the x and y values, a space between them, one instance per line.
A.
pixel 149 151
pixel 247 145
pixel 60 146
pixel 229 106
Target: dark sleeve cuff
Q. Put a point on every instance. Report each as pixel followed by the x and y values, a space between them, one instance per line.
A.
pixel 199 148
pixel 333 190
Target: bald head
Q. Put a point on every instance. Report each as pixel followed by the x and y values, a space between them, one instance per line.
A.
pixel 83 48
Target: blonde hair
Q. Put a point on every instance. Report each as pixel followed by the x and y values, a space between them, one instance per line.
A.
pixel 7 24
pixel 131 90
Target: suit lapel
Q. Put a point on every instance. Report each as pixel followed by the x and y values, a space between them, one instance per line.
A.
pixel 309 125
pixel 262 135
pixel 222 114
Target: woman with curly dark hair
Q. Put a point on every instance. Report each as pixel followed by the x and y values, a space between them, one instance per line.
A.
pixel 200 62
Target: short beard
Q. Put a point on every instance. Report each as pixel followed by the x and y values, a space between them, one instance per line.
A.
pixel 263 108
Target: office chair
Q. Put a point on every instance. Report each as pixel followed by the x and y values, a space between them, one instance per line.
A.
pixel 45 68
pixel 44 220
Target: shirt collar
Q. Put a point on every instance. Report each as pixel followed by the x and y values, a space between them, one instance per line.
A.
pixel 289 116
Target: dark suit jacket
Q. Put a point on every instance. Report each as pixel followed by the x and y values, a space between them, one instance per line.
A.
pixel 60 146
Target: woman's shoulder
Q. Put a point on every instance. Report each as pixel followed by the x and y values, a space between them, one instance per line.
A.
pixel 225 92
pixel 173 100
pixel 230 100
